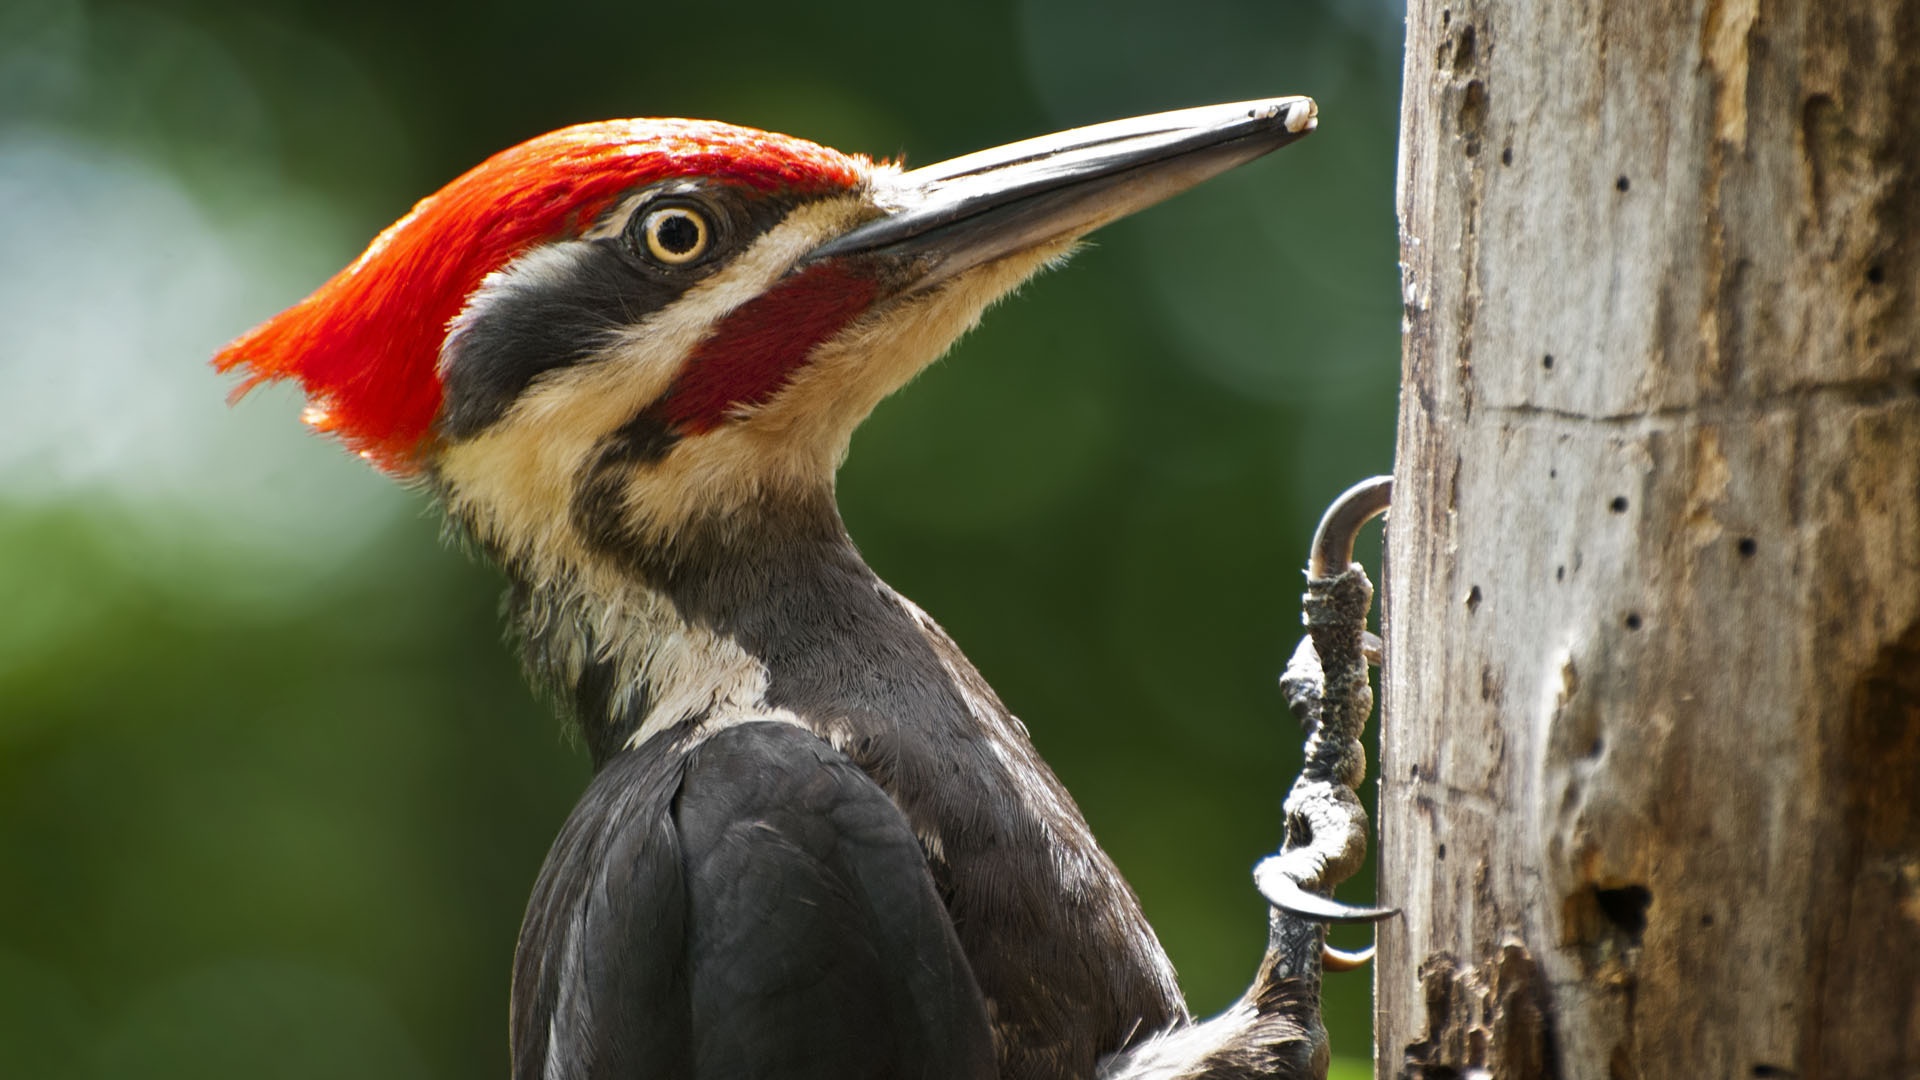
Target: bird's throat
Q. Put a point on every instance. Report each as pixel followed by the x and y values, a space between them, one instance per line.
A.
pixel 712 628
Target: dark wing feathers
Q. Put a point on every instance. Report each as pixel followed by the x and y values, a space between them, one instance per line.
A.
pixel 753 907
pixel 600 981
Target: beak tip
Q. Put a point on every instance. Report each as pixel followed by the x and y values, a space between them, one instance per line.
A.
pixel 952 215
pixel 1303 115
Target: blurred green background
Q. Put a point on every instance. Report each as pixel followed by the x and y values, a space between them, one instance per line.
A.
pixel 272 792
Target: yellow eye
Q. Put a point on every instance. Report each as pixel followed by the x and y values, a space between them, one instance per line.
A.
pixel 676 235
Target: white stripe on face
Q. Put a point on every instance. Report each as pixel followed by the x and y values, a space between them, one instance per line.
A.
pixel 513 481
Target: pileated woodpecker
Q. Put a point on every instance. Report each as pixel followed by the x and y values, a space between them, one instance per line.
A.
pixel 627 358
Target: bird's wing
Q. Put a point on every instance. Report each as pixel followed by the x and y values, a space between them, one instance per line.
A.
pixel 755 906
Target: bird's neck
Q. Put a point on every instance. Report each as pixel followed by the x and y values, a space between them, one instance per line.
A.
pixel 767 612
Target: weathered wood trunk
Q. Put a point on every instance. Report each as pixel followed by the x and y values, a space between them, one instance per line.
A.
pixel 1651 770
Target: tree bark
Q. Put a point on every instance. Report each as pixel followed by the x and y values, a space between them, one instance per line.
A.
pixel 1650 778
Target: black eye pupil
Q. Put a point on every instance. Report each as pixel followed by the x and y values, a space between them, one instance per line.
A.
pixel 678 234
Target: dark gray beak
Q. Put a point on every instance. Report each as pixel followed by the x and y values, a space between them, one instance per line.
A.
pixel 948 218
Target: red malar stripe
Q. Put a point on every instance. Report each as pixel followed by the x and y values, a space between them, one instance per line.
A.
pixel 756 350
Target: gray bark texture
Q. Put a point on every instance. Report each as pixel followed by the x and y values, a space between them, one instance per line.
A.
pixel 1650 795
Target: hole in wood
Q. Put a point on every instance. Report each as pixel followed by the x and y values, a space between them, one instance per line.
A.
pixel 1748 546
pixel 1626 908
pixel 1473 115
pixel 1547 361
pixel 1618 505
pixel 1621 184
pixel 1633 620
pixel 1876 274
pixel 1506 155
pixel 1463 49
pixel 1473 599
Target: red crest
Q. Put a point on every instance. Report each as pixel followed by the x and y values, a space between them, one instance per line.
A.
pixel 366 345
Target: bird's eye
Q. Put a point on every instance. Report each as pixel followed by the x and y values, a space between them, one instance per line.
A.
pixel 676 235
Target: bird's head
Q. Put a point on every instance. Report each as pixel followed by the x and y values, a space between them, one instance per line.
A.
pixel 605 332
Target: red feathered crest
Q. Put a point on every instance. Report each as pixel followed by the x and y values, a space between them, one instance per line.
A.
pixel 366 345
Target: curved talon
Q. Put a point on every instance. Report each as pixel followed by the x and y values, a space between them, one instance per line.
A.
pixel 1332 959
pixel 1286 894
pixel 1333 540
pixel 1372 647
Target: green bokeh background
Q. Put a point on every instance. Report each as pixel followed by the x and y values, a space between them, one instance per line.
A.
pixel 272 791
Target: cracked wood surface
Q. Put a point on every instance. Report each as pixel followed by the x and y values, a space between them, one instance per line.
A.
pixel 1651 759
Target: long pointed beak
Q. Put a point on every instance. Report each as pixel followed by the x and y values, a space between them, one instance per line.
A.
pixel 948 218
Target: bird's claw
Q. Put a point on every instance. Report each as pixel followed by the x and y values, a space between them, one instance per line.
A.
pixel 1372 647
pixel 1333 541
pixel 1332 959
pixel 1286 894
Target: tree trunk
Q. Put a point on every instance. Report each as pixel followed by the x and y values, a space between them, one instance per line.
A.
pixel 1650 793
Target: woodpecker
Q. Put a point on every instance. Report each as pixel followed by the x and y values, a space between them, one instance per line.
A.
pixel 626 358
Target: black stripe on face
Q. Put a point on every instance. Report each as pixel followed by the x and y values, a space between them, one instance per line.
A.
pixel 563 305
pixel 598 507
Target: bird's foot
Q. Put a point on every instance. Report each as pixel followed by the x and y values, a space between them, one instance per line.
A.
pixel 1327 688
pixel 1277 882
pixel 1332 959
